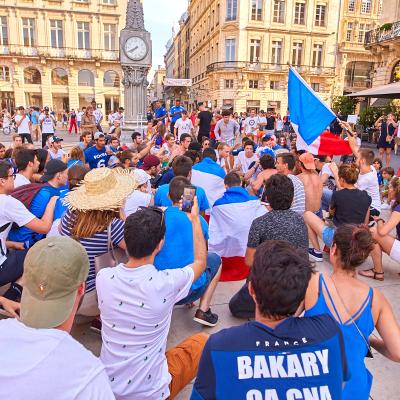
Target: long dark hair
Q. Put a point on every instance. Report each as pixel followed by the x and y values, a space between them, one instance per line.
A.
pixel 395 183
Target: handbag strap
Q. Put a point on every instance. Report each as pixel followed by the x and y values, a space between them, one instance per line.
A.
pixel 110 245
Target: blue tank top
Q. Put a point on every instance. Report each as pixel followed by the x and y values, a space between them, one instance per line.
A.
pixel 359 385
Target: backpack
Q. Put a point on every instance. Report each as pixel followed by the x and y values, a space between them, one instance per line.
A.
pixel 26 193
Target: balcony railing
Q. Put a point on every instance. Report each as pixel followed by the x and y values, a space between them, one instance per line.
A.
pixel 267 67
pixel 16 50
pixel 382 34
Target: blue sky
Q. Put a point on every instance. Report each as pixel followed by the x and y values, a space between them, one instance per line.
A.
pixel 159 18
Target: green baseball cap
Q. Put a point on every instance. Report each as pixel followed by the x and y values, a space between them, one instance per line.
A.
pixel 53 270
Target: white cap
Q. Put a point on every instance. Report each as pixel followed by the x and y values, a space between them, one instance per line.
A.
pixel 141 176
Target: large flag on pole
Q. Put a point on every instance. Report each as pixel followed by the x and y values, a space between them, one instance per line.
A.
pixel 310 116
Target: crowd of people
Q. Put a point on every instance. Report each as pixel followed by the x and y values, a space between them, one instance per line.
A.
pixel 101 234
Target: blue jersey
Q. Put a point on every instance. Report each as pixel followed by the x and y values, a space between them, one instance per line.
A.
pixel 302 358
pixel 174 110
pixel 160 112
pixel 96 158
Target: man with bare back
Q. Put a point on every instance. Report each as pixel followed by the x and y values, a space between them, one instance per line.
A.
pixel 311 181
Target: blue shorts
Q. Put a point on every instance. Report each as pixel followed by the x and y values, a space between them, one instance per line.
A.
pixel 79 124
pixel 327 235
pixel 213 266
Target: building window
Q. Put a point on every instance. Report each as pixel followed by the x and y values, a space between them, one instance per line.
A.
pixel 4 73
pixel 317 55
pixel 85 78
pixel 315 87
pixel 297 52
pixel 231 10
pixel 279 11
pixel 380 6
pixel 255 47
pixel 228 83
pixel 56 33
pixel 32 76
pixel 276 55
pixel 351 5
pixel 109 2
pixel 366 6
pixel 274 85
pixel 28 31
pixel 349 32
pixel 59 76
pixel 253 84
pixel 320 13
pixel 256 10
pixel 110 31
pixel 83 35
pixel 362 30
pixel 230 45
pixel 300 13
pixel 3 31
pixel 111 78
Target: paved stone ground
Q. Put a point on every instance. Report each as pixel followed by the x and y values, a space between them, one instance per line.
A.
pixel 385 372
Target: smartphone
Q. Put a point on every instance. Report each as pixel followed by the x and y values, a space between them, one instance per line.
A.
pixel 187 199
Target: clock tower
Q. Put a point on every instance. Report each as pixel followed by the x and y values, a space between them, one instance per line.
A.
pixel 135 58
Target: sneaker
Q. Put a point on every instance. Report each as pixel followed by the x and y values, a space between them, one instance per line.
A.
pixel 206 318
pixel 314 255
pixel 95 326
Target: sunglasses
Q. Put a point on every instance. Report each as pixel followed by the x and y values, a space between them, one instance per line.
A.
pixel 13 175
pixel 157 210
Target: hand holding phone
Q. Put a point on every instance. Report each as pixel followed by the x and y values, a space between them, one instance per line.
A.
pixel 189 193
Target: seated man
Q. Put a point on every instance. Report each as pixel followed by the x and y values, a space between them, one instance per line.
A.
pixel 277 356
pixel 136 303
pixel 177 253
pixel 181 166
pixel 281 223
pixel 57 367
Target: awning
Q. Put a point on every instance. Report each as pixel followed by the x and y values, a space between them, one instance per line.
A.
pixel 390 91
pixel 381 102
pixel 177 82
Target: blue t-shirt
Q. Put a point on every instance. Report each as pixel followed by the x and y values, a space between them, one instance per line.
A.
pixel 161 198
pixel 175 109
pixel 177 251
pixel 35 118
pixel 160 112
pixel 302 358
pixel 96 158
pixel 37 208
pixel 166 177
pixel 71 163
pixel 60 207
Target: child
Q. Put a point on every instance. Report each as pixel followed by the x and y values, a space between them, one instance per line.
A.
pixel 387 175
pixel 378 166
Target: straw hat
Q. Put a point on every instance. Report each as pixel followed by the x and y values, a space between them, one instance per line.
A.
pixel 102 189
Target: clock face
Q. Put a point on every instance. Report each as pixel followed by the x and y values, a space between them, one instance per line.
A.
pixel 135 48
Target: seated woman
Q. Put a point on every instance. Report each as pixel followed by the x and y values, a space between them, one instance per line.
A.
pixel 381 232
pixel 356 307
pixel 349 205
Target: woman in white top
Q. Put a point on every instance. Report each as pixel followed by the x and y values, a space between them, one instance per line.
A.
pixel 140 197
pixel 279 125
pixel 224 157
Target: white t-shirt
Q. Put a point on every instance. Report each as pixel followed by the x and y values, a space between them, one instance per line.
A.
pixel 135 200
pixel 57 156
pixel 11 210
pixel 251 125
pixel 135 308
pixel 24 127
pixel 369 183
pixel 97 115
pixel 20 180
pixel 279 125
pixel 245 162
pixel 79 116
pixel 47 124
pixel 183 126
pixel 48 363
pixel 262 120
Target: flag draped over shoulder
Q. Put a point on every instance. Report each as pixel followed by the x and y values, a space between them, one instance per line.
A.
pixel 310 117
pixel 230 221
pixel 210 176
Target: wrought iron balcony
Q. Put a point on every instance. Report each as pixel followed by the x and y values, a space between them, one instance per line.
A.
pixel 382 34
pixel 16 50
pixel 245 66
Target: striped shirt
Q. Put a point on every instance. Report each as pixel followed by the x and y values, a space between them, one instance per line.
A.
pixel 299 198
pixel 95 245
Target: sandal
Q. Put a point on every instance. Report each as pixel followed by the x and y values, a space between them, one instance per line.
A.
pixel 371 273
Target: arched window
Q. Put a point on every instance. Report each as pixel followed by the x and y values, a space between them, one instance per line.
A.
pixel 85 78
pixel 395 77
pixel 59 76
pixel 32 76
pixel 111 78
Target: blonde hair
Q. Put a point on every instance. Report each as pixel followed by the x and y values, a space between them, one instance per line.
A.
pixel 87 224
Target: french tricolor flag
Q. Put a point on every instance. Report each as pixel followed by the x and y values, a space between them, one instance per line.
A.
pixel 310 116
pixel 228 234
pixel 210 176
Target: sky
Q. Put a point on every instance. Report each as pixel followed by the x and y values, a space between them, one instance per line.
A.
pixel 159 18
